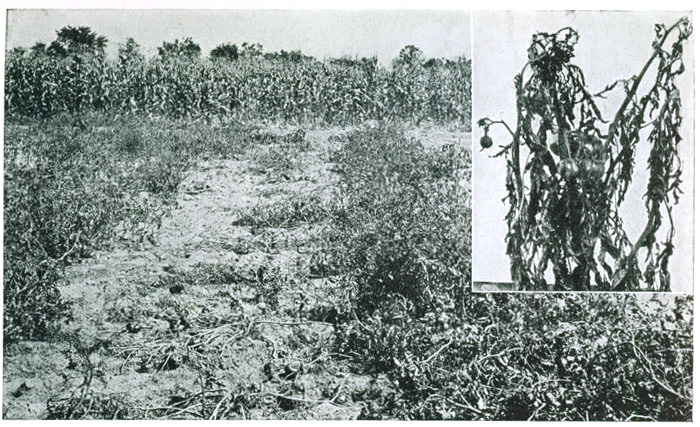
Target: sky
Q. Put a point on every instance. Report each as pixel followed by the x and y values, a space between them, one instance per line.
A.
pixel 612 45
pixel 321 33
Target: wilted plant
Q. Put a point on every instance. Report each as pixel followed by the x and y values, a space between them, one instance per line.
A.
pixel 401 224
pixel 565 197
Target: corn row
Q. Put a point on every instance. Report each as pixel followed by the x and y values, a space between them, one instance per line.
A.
pixel 309 91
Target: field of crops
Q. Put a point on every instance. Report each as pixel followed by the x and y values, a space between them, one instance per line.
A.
pixel 306 91
pixel 307 255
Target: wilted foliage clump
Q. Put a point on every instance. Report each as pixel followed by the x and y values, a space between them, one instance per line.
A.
pixel 401 232
pixel 569 168
pixel 538 357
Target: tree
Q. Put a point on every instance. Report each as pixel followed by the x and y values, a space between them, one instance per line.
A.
pixel 17 52
pixel 38 49
pixel 564 199
pixel 287 56
pixel 251 50
pixel 434 63
pixel 227 51
pixel 410 56
pixel 185 49
pixel 75 41
pixel 129 51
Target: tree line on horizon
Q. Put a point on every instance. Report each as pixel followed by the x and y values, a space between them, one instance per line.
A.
pixel 82 40
pixel 72 74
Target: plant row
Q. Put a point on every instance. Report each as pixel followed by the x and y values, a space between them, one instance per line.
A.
pixel 258 89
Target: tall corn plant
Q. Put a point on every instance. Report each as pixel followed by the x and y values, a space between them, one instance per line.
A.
pixel 246 89
pixel 564 198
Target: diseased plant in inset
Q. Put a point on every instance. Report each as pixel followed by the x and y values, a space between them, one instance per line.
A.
pixel 569 169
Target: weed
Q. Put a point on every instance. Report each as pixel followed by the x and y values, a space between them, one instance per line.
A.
pixel 292 211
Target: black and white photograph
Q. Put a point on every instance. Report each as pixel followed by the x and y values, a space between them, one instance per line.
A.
pixel 300 212
pixel 232 214
pixel 583 170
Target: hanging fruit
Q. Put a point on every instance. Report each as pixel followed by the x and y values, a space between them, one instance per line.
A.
pixel 486 141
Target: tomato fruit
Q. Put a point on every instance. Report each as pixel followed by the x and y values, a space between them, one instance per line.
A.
pixel 568 168
pixel 592 168
pixel 486 141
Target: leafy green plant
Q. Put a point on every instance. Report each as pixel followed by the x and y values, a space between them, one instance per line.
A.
pixel 185 49
pixel 564 199
pixel 129 52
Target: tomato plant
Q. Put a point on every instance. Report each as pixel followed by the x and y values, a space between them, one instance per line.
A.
pixel 569 169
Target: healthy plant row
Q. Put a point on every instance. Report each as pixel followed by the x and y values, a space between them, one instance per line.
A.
pixel 308 91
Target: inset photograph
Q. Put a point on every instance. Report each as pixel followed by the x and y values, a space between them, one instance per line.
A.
pixel 583 162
